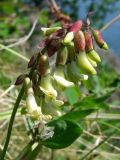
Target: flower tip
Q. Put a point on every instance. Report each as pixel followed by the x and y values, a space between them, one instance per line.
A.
pixel 105 46
pixel 94 56
pixel 48 31
pixel 85 77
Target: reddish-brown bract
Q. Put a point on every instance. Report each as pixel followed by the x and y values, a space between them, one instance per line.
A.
pixel 75 27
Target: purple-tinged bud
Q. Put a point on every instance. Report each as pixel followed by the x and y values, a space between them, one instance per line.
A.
pixel 89 47
pixel 99 39
pixel 20 79
pixel 32 61
pixel 76 26
pixel 88 40
pixel 79 41
pixel 44 67
pixel 52 47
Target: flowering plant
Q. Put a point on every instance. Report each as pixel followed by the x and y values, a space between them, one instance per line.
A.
pixel 53 124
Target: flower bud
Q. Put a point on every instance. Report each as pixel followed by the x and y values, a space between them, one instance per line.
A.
pixel 94 55
pixel 71 51
pixel 49 31
pixel 46 86
pixel 32 61
pixel 94 64
pixel 88 40
pixel 105 46
pixel 59 76
pixel 33 110
pixel 99 39
pixel 44 67
pixel 79 41
pixel 52 47
pixel 20 79
pixel 75 27
pixel 68 38
pixel 62 55
pixel 84 63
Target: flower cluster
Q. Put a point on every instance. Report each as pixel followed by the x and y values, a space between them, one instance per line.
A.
pixel 76 59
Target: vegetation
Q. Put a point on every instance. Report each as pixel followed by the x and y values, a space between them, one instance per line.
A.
pixel 81 118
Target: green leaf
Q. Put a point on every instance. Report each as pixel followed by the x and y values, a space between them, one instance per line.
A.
pixel 93 102
pixel 76 115
pixel 72 94
pixel 65 133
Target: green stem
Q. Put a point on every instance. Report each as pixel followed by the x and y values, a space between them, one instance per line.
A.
pixel 14 52
pixel 30 151
pixel 11 123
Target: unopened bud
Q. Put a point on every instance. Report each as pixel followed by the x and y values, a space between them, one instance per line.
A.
pixel 94 55
pixel 52 47
pixel 79 41
pixel 49 31
pixel 94 64
pixel 84 63
pixel 105 46
pixel 71 51
pixel 99 39
pixel 62 55
pixel 20 79
pixel 44 67
pixel 68 38
pixel 76 26
pixel 88 40
pixel 32 61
